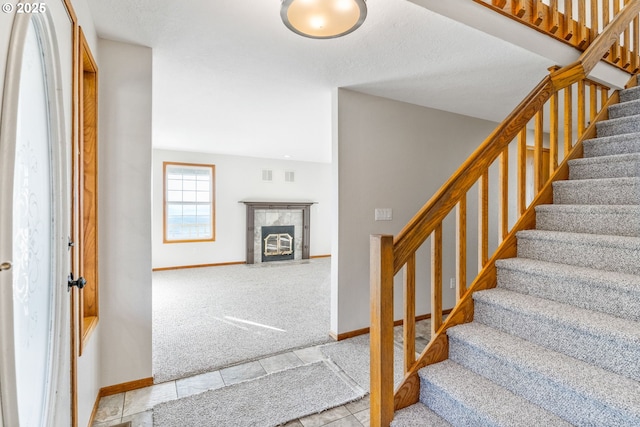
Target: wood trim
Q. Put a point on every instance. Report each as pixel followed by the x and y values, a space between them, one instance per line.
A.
pixel 219 264
pixel 182 267
pixel 124 387
pixel 364 331
pixel 212 201
pixel 87 192
pixel 115 389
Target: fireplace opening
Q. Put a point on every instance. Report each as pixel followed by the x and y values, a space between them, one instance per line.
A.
pixel 278 243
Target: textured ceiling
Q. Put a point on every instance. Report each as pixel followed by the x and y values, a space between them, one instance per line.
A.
pixel 230 78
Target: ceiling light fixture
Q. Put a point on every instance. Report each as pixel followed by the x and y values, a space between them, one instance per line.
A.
pixel 323 19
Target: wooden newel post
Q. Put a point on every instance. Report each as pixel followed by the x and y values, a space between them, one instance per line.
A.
pixel 381 265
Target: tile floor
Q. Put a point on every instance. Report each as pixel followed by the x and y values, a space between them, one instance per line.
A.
pixel 136 406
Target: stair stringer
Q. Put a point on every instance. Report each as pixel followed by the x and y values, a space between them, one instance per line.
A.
pixel 408 391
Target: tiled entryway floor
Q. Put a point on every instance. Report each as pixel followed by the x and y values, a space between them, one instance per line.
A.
pixel 136 406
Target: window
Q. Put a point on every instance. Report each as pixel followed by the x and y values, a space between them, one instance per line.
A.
pixel 188 202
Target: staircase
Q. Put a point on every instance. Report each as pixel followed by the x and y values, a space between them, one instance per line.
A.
pixel 557 342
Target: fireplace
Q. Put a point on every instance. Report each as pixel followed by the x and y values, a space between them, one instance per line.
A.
pixel 261 215
pixel 278 243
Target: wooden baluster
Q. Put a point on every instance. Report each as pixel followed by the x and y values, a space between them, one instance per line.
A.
pixel 626 52
pixel 594 19
pixel 568 19
pixel 518 8
pixel 553 133
pixel 483 220
pixel 538 179
pixel 615 49
pixel 522 171
pixel 409 329
pixel 554 18
pixel 499 3
pixel 568 120
pixel 381 338
pixel 593 101
pixel 581 108
pixel 582 24
pixel 635 61
pixel 605 20
pixel 604 96
pixel 503 214
pixel 436 280
pixel 461 244
pixel 537 13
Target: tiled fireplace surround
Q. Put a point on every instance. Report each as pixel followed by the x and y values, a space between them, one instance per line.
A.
pixel 261 214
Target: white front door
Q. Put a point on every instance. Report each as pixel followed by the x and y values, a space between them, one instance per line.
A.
pixel 34 228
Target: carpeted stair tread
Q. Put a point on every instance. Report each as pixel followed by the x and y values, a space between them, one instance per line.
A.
pixel 417 415
pixel 603 340
pixel 619 126
pixel 630 94
pixel 611 145
pixel 622 109
pixel 580 393
pixel 618 220
pixel 600 191
pixel 611 253
pixel 465 398
pixel 615 166
pixel 616 294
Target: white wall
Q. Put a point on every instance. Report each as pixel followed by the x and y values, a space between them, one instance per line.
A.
pixel 124 211
pixel 389 154
pixel 240 178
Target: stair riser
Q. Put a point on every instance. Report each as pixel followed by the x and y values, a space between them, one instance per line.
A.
pixel 447 407
pixel 624 110
pixel 597 148
pixel 608 352
pixel 600 257
pixel 613 224
pixel 630 94
pixel 622 169
pixel 582 294
pixel 556 398
pixel 595 193
pixel 618 127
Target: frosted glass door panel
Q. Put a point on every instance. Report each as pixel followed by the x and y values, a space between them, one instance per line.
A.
pixel 32 238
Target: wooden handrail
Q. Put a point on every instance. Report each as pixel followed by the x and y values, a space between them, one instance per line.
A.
pixel 389 255
pixel 437 208
pixel 574 26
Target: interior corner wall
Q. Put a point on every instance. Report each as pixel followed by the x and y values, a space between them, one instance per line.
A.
pixel 240 178
pixel 390 154
pixel 124 211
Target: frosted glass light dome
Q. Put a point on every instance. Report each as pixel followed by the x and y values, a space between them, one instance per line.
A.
pixel 323 19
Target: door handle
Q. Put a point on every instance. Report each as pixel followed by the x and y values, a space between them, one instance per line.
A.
pixel 79 283
pixel 5 266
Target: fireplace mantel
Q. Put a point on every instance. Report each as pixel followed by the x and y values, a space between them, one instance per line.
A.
pixel 253 205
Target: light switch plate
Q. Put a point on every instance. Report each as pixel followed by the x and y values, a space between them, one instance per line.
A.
pixel 383 214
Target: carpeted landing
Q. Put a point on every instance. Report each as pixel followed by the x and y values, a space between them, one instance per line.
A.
pixel 263 402
pixel 557 343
